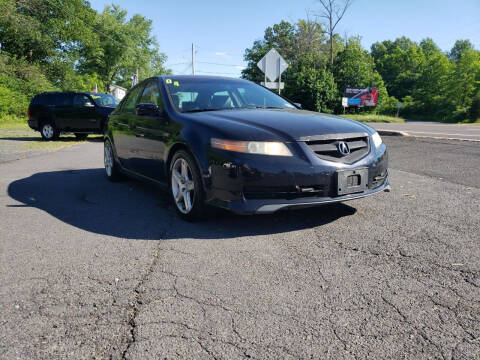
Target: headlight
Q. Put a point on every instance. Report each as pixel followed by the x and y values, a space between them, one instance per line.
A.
pixel 377 140
pixel 273 148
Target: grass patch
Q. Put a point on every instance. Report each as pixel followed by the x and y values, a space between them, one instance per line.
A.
pixel 374 118
pixel 23 138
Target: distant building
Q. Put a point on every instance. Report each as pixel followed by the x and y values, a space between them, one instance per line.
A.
pixel 118 91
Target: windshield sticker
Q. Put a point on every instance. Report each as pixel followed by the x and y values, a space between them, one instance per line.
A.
pixel 168 81
pixel 176 83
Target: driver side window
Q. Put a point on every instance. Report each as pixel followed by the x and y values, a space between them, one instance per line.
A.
pixel 131 100
pixel 82 100
pixel 151 95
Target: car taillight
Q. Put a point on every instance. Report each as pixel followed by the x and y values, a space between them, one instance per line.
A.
pixel 28 113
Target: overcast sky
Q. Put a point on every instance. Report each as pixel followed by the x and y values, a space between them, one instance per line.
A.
pixel 222 29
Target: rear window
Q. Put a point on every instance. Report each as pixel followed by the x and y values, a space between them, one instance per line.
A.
pixel 60 99
pixel 38 99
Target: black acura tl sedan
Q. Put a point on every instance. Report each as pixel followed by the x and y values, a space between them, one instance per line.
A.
pixel 237 145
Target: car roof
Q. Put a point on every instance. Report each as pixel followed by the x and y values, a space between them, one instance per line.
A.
pixel 71 93
pixel 198 77
pixel 95 93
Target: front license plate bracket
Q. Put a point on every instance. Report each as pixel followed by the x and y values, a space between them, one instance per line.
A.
pixel 352 181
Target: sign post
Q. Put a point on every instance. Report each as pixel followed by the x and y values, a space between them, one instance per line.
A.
pixel 399 106
pixel 273 65
pixel 344 104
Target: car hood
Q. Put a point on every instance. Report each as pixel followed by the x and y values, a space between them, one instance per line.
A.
pixel 289 125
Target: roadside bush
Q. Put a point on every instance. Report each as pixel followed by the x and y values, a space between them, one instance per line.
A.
pixel 19 82
pixel 474 111
pixel 388 106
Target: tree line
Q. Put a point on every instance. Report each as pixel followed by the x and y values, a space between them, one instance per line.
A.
pixel 430 83
pixel 67 45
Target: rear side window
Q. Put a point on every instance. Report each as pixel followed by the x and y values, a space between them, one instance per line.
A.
pixel 81 100
pixel 59 100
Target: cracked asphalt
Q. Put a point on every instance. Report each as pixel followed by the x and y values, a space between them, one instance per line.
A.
pixel 94 270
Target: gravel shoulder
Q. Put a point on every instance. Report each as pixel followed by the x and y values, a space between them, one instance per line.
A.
pixel 18 141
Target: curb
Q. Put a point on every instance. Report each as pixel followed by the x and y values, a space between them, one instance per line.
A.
pixel 392 133
pixel 403 133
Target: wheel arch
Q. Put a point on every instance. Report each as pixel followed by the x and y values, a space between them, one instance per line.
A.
pixel 182 146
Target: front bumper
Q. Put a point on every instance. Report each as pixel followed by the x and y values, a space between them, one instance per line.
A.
pixel 273 205
pixel 249 184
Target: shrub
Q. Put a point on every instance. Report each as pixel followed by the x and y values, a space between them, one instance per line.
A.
pixel 474 111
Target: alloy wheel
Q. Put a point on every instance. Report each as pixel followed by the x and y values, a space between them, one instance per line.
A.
pixel 183 186
pixel 47 131
pixel 108 159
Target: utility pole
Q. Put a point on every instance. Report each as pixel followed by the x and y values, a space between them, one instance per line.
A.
pixel 193 59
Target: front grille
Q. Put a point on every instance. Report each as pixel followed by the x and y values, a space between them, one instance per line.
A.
pixel 326 147
pixel 283 192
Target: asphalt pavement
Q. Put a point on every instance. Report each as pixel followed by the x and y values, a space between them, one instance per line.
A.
pixel 432 129
pixel 91 269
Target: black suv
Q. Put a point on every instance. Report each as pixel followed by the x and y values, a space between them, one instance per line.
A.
pixel 77 112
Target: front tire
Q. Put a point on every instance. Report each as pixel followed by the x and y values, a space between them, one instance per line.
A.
pixel 186 186
pixel 49 131
pixel 111 167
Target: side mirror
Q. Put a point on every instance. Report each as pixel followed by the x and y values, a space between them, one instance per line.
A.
pixel 147 109
pixel 298 105
pixel 89 105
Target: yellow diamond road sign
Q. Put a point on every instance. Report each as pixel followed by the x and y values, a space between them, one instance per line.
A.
pixel 272 65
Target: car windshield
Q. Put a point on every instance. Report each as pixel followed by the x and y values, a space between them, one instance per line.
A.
pixel 202 94
pixel 105 100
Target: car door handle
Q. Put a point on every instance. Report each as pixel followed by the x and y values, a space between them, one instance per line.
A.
pixel 93 120
pixel 140 135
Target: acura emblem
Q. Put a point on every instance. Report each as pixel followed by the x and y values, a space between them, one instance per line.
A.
pixel 343 148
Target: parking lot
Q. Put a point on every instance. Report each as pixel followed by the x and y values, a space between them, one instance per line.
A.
pixel 91 269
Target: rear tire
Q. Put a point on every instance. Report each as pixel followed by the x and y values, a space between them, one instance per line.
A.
pixel 186 187
pixel 111 166
pixel 49 131
pixel 81 136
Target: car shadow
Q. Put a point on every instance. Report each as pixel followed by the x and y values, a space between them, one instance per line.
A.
pixel 135 210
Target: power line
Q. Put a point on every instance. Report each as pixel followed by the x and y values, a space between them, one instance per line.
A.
pixel 220 64
pixel 215 51
pixel 217 73
pixel 181 63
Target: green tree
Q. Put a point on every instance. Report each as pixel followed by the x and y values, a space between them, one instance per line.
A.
pixel 465 82
pixel 124 46
pixel 354 67
pixel 312 86
pixel 399 63
pixel 19 82
pixel 459 48
pixel 44 31
pixel 281 37
pixel 432 87
pixel 474 111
